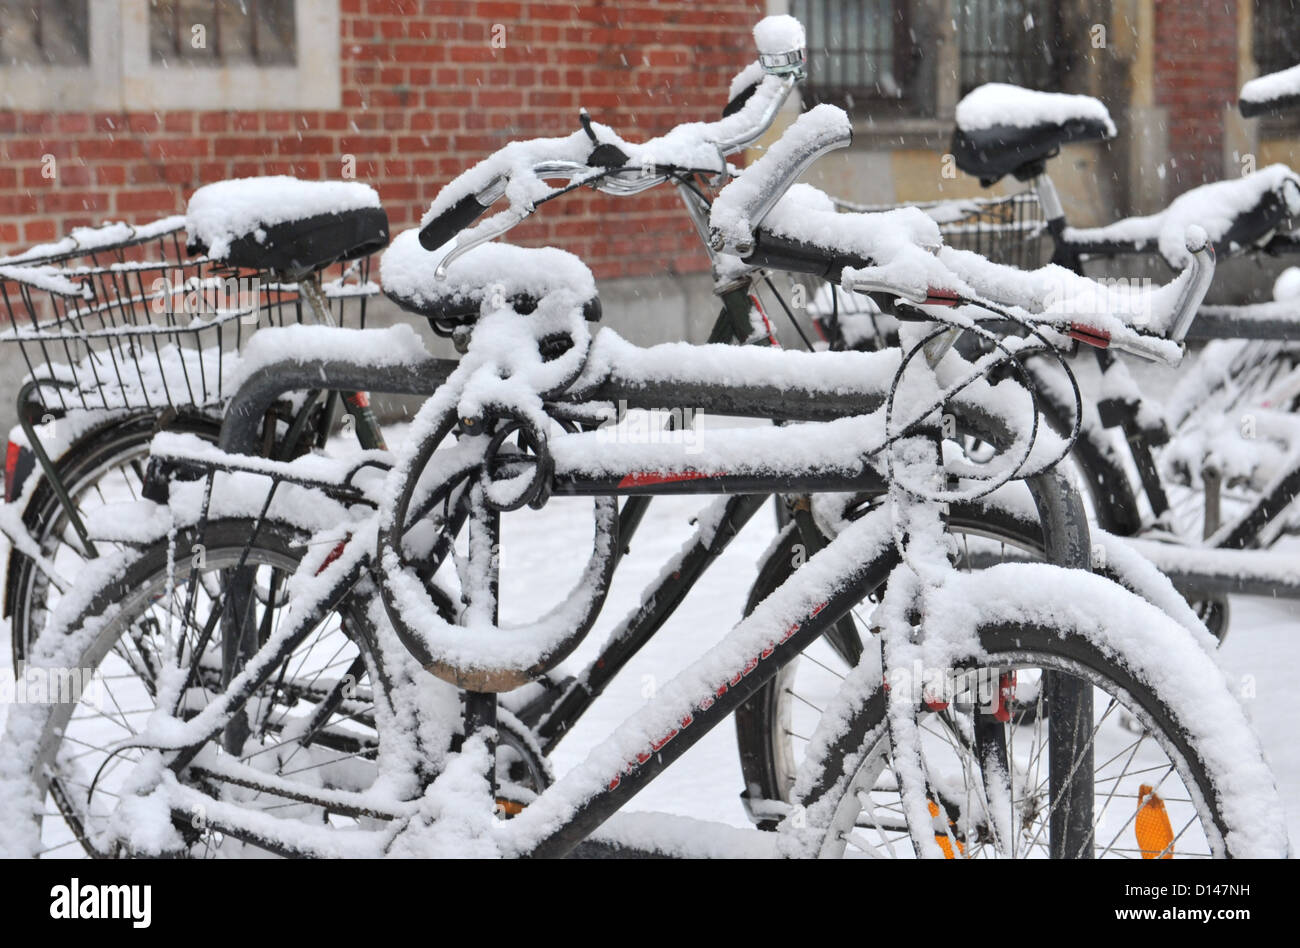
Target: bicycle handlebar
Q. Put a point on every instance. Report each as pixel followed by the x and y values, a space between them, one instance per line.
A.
pixel 443 228
pixel 1198 275
pixel 624 168
pixel 742 205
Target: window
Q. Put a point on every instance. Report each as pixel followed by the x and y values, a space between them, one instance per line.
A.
pixel 44 32
pixel 222 32
pixel 864 52
pixel 885 55
pixel 124 54
pixel 1015 41
pixel 1277 35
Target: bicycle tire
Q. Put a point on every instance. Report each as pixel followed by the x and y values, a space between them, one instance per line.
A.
pixel 1239 811
pixel 90 459
pixel 764 732
pixel 35 733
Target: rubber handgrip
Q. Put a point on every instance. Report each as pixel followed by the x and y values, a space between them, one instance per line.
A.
pixel 792 256
pixel 451 222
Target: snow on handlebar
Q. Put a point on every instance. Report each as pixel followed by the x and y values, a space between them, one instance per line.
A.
pixel 1147 322
pixel 519 171
pixel 901 254
pixel 743 205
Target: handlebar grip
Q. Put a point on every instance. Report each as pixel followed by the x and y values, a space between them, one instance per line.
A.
pixel 793 256
pixel 742 205
pixel 451 222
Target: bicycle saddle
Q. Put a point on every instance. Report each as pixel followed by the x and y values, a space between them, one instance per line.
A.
pixel 1006 130
pixel 284 225
pixel 520 276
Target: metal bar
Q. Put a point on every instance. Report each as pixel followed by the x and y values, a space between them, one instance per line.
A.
pixel 657 606
pixel 51 472
pixel 605 802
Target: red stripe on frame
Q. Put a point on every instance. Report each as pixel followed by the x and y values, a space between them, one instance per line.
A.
pixel 645 478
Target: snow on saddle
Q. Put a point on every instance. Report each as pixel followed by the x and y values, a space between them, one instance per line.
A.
pixel 286 226
pixel 1006 130
pixel 495 273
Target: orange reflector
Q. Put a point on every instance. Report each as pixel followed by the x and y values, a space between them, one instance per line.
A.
pixel 509 807
pixel 941 838
pixel 1155 836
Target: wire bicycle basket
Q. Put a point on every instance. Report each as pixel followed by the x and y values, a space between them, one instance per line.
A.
pixel 1009 229
pixel 120 317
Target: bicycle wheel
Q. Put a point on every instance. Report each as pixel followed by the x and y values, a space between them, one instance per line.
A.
pixel 1233 434
pixel 104 465
pixel 312 731
pixel 1186 780
pixel 773 728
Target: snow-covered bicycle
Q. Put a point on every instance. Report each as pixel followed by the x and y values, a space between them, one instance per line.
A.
pixel 130 330
pixel 266 702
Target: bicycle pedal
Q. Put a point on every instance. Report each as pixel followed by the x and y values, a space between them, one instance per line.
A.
pixel 761 811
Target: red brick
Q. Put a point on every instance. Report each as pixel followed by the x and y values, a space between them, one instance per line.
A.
pixel 56 201
pixel 157 199
pixel 38 231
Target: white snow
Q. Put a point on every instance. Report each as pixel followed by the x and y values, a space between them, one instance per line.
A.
pixel 823 126
pixel 489 270
pixel 1214 207
pixel 750 75
pixel 46 279
pixel 690 145
pixel 222 212
pixel 997 104
pixel 1287 286
pixel 1277 85
pixel 394 345
pixel 86 240
pixel 779 34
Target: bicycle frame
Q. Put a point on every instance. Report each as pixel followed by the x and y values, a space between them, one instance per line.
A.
pixel 1062 516
pixel 1115 502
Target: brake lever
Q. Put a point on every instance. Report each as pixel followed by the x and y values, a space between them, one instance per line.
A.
pixel 509 218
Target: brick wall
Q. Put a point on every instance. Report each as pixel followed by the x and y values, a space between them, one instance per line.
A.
pixel 1196 80
pixel 425 94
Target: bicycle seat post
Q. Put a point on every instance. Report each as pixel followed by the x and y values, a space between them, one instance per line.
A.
pixel 368 432
pixel 310 288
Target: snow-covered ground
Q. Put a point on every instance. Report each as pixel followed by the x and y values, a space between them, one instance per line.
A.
pixel 1260 654
pixel 544 551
